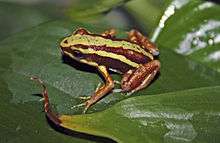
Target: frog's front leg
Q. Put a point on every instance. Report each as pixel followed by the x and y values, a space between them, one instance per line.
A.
pixel 101 91
pixel 137 37
pixel 109 33
pixel 81 31
pixel 141 77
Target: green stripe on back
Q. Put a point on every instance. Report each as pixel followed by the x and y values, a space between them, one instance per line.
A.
pixel 99 41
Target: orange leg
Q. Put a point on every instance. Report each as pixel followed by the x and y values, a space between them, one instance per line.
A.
pixel 137 37
pixel 50 114
pixel 137 79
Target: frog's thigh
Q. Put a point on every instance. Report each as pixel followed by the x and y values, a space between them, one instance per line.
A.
pixel 141 77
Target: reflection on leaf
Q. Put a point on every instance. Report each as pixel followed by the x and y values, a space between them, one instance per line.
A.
pixel 182 116
pixel 194 31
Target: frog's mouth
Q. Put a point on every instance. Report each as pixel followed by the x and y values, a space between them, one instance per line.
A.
pixel 73 53
pixel 155 52
pixel 62 50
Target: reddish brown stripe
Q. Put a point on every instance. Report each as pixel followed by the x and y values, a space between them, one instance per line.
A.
pixel 108 62
pixel 129 54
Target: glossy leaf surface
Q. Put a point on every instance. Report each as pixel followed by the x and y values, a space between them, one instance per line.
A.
pixel 181 105
pixel 194 31
pixel 170 117
pixel 65 86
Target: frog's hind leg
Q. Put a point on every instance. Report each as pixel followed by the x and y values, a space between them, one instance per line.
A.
pixel 109 33
pixel 136 37
pixel 137 79
pixel 50 114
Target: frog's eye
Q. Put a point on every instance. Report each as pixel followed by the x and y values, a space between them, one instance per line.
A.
pixel 65 41
pixel 77 54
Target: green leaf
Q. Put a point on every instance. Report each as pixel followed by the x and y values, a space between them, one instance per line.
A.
pixel 147 13
pixel 91 9
pixel 183 116
pixel 181 105
pixel 22 17
pixel 194 31
pixel 36 52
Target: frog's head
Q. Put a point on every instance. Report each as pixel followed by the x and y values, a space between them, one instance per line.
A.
pixel 70 50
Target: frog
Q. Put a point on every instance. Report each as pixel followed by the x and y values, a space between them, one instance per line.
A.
pixel 134 57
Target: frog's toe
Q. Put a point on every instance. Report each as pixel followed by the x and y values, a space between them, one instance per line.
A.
pixel 86 106
pixel 79 105
pixel 85 97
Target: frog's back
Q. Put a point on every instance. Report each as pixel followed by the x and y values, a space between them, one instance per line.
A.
pixel 116 54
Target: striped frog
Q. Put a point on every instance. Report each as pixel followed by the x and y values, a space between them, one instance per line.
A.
pixel 133 57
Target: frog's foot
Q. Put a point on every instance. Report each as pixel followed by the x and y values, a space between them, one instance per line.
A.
pixel 98 86
pixel 84 104
pixel 84 97
pixel 81 105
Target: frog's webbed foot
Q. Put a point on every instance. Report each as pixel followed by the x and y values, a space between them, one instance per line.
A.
pixel 136 37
